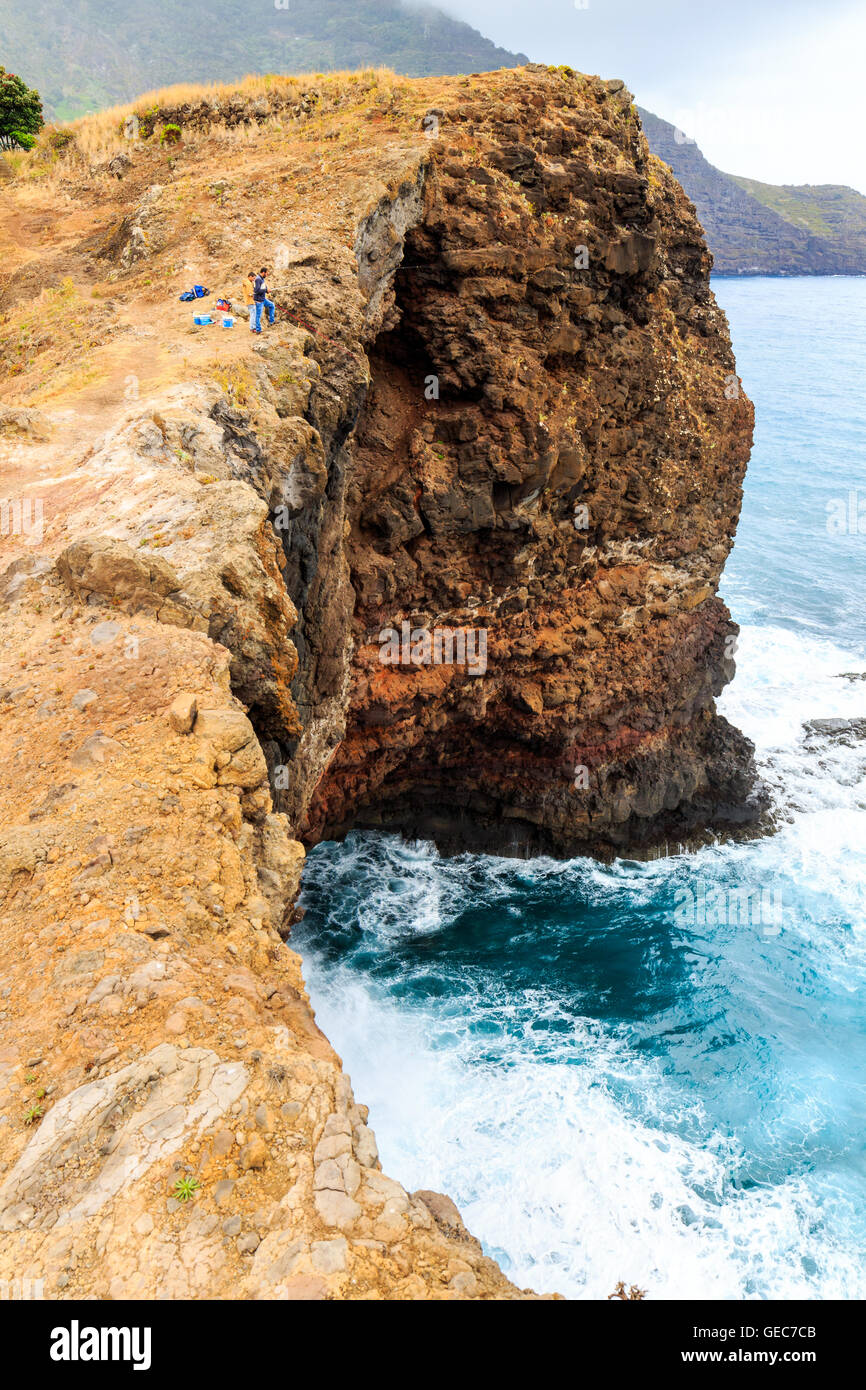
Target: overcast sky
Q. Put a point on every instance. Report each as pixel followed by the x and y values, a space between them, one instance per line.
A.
pixel 771 89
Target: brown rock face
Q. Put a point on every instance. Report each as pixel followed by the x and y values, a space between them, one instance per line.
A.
pixel 547 467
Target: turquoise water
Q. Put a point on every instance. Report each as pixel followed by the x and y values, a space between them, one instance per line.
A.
pixel 619 1072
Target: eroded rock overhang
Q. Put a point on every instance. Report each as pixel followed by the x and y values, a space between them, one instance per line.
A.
pixel 551 453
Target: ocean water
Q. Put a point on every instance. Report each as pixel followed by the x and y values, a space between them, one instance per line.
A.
pixel 640 1071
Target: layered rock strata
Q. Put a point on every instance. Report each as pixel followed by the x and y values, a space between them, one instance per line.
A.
pixel 550 454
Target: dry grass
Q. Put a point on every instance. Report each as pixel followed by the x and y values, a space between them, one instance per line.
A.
pixel 98 137
pixel 51 333
pixel 236 380
pixel 103 129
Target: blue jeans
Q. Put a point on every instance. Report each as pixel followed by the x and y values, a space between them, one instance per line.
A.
pixel 256 314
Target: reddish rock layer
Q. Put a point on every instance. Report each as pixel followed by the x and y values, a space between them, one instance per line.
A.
pixel 573 490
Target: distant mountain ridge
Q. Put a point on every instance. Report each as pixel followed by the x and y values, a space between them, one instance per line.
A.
pixel 755 228
pixel 85 55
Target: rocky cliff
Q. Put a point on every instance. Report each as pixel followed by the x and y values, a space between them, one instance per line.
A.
pixel 438 552
pixel 757 228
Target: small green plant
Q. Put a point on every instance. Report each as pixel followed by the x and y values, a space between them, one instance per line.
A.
pixel 146 121
pixel 171 134
pixel 58 139
pixel 33 1114
pixel 185 1187
pixel 30 1078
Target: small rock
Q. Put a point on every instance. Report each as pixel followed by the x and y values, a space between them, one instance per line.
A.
pixel 155 930
pixel 248 1244
pixel 351 1173
pixel 135 833
pixel 336 1209
pixel 182 713
pixel 223 1191
pixel 175 1024
pixel 223 1143
pixel 330 1256
pixel 332 1147
pixel 98 748
pixel 366 1149
pixel 82 698
pixel 105 987
pixel 304 1288
pixel 232 1226
pixel 442 1209
pixel 847 731
pixel 336 1124
pixel 103 634
pixel 465 1283
pixel 254 1154
pixel 329 1175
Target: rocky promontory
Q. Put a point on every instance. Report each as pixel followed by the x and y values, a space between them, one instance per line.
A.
pixel 439 552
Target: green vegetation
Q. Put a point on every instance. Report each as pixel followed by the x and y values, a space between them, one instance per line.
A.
pixel 20 112
pixel 185 1187
pixel 825 210
pixel 86 57
pixel 58 140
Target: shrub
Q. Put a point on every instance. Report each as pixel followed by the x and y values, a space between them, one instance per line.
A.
pixel 59 139
pixel 20 112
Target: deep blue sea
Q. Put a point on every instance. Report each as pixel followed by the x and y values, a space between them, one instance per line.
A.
pixel 616 1072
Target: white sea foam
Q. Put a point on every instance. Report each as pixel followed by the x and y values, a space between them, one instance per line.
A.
pixel 578 1158
pixel 567 1189
pixel 785 678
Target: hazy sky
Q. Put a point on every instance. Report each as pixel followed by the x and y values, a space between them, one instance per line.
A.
pixel 772 89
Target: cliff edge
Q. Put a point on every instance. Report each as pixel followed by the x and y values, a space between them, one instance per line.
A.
pixel 438 552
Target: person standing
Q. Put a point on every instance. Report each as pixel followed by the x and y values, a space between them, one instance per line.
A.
pixel 260 301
